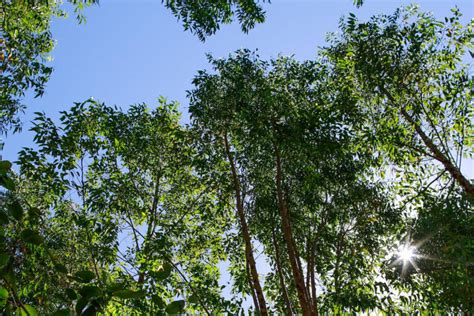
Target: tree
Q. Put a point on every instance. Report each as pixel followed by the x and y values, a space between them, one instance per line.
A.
pixel 284 132
pixel 130 212
pixel 103 176
pixel 407 71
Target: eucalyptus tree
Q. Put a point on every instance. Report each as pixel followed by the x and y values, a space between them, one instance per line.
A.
pixel 286 135
pixel 408 71
pixel 123 216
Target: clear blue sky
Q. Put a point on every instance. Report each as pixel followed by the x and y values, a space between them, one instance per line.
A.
pixel 133 51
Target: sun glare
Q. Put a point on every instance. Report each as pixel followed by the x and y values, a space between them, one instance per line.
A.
pixel 406 253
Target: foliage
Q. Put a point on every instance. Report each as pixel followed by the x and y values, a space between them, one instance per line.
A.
pixel 102 177
pixel 204 18
pixel 325 169
pixel 278 115
pixel 25 40
pixel 407 71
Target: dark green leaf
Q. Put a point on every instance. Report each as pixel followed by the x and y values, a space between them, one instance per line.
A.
pixel 7 182
pixel 85 276
pixel 164 272
pixel 71 294
pixel 62 312
pixel 90 291
pixel 158 301
pixel 4 258
pixel 31 237
pixel 16 211
pixel 175 307
pixel 5 166
pixel 3 218
pixel 60 268
pixel 193 299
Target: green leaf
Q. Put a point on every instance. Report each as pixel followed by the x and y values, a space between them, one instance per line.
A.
pixel 3 293
pixel 16 210
pixel 34 212
pixel 60 268
pixel 193 299
pixel 85 276
pixel 80 305
pixel 90 291
pixel 31 237
pixel 158 301
pixel 5 166
pixel 3 218
pixel 62 312
pixel 127 294
pixel 164 272
pixel 26 310
pixel 71 294
pixel 7 182
pixel 175 307
pixel 4 258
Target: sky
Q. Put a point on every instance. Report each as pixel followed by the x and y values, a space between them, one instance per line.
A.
pixel 133 51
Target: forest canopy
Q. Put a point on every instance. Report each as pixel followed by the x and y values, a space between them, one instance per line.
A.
pixel 342 173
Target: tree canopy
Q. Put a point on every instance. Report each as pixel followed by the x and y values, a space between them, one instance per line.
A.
pixel 342 173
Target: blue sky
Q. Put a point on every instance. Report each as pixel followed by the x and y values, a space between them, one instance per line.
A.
pixel 132 51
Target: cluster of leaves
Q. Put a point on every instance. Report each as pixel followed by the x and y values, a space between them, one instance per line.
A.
pixel 25 40
pixel 203 18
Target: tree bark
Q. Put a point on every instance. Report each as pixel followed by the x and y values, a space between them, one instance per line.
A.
pixel 290 244
pixel 245 232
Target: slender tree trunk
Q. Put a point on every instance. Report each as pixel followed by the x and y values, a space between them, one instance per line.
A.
pixel 279 271
pixel 309 267
pixel 252 288
pixel 262 306
pixel 453 170
pixel 288 235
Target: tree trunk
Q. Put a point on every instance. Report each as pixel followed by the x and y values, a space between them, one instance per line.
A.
pixel 288 235
pixel 252 288
pixel 245 232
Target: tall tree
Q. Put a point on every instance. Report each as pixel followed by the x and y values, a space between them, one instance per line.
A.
pixel 291 136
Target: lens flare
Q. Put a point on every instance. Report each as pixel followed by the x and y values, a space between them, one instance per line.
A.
pixel 406 253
